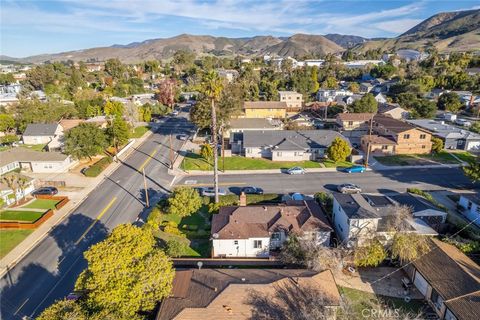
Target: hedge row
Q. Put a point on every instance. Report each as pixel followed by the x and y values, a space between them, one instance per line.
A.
pixel 233 199
pixel 98 167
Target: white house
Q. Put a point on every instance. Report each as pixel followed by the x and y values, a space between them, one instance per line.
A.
pixel 255 231
pixel 329 95
pixel 34 161
pixel 9 196
pixel 293 99
pixel 393 110
pixel 470 204
pixel 380 98
pixel 360 217
pixel 41 133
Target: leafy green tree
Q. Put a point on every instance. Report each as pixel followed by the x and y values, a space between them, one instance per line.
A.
pixel 175 248
pixel 7 122
pixel 354 87
pixel 85 141
pixel 206 151
pixel 407 246
pixel 370 255
pixel 113 108
pixel 423 109
pixel 330 83
pixel 9 139
pixel 64 309
pixel 6 78
pixel 385 71
pixel 118 132
pixel 472 171
pixel 339 150
pixel 437 144
pixel 126 273
pixel 366 104
pixel 145 112
pixel 184 201
pixel 449 101
pixel 114 68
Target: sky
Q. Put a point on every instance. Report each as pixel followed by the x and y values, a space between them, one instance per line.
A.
pixel 30 27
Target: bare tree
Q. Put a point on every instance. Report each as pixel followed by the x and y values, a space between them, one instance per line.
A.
pixel 11 180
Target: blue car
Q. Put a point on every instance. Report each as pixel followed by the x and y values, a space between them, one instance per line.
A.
pixel 355 169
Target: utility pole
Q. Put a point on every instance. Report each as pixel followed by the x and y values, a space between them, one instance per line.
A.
pixel 223 152
pixel 369 141
pixel 147 202
pixel 171 152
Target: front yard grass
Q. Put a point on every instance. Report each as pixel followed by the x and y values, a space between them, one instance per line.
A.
pixel 9 239
pixel 20 215
pixel 417 159
pixel 465 156
pixel 42 204
pixel 360 300
pixel 138 132
pixel 34 147
pixel 193 161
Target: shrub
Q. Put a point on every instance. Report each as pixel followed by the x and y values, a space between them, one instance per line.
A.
pixel 98 167
pixel 325 200
pixel 172 228
pixel 175 248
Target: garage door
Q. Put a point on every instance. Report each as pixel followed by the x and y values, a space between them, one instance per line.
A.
pixel 421 283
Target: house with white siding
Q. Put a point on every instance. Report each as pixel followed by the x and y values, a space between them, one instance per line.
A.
pixel 42 133
pixel 470 204
pixel 255 231
pixel 34 161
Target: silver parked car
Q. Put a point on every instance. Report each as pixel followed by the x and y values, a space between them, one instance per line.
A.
pixel 210 192
pixel 349 188
pixel 296 170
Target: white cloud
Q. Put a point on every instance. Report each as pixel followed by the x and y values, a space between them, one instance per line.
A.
pixel 397 26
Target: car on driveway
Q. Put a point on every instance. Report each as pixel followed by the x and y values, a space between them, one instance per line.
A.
pixel 349 188
pixel 298 196
pixel 210 192
pixel 296 170
pixel 355 169
pixel 182 137
pixel 252 190
pixel 174 113
pixel 49 191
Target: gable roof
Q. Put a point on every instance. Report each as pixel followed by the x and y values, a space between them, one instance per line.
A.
pixel 68 124
pixel 354 116
pixel 235 222
pixel 446 131
pixel 473 197
pixel 450 272
pixel 41 129
pixel 355 206
pixel 264 105
pixel 254 123
pixel 387 107
pixel 25 155
pixel 392 124
pixel 376 139
pixel 466 307
pixel 413 201
pixel 225 293
pixel 290 139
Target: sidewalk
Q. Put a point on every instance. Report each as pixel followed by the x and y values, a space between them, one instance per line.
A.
pixel 24 247
pixel 377 166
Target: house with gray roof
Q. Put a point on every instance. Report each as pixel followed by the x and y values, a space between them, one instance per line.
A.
pixel 452 136
pixel 41 133
pixel 249 124
pixel 358 218
pixel 34 161
pixel 286 145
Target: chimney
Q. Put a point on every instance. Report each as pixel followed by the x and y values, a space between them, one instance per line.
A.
pixel 243 199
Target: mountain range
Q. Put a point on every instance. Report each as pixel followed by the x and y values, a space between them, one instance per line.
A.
pixel 450 31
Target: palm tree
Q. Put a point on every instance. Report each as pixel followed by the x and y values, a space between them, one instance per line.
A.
pixel 11 180
pixel 212 87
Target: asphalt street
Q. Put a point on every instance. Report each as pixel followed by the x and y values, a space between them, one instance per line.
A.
pixel 49 271
pixel 379 181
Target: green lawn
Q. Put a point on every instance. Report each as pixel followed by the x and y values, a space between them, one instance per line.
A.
pixel 465 156
pixel 35 147
pixel 333 164
pixel 359 300
pixel 10 238
pixel 42 204
pixel 417 159
pixel 29 216
pixel 194 161
pixel 138 132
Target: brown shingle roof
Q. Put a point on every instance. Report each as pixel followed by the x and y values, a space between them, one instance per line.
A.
pixel 354 116
pixel 68 124
pixel 375 139
pixel 224 293
pixel 234 222
pixel 466 307
pixel 392 124
pixel 264 105
pixel 450 272
pixel 25 155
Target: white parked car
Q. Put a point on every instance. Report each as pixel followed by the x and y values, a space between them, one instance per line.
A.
pixel 463 122
pixel 349 188
pixel 210 192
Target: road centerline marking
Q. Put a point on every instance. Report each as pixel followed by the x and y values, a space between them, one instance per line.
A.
pixel 21 306
pixel 150 156
pixel 96 220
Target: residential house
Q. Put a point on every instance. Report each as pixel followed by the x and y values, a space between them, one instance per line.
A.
pixel 448 280
pixel 380 98
pixel 408 139
pixel 360 64
pixel 68 124
pixel 293 99
pixel 421 209
pixel 100 121
pixel 240 125
pixel 42 133
pixel 34 161
pixel 287 145
pixel 329 95
pixel 453 137
pixel 470 204
pixel 8 94
pixel 360 217
pixel 255 231
pixel 366 87
pixel 265 109
pixel 9 196
pixel 94 67
pixel 191 95
pixel 411 55
pixel 393 110
pixel 228 74
pixel 234 293
pixel 354 125
pixel 472 71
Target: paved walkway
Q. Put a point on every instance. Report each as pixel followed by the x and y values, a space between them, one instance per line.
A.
pixel 22 249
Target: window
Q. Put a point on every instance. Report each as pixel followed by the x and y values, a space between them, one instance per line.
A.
pixel 469 205
pixel 235 242
pixel 257 244
pixel 276 236
pixel 406 136
pixel 298 98
pixel 423 136
pixel 279 154
pixel 350 123
pixel 384 147
pixel 423 147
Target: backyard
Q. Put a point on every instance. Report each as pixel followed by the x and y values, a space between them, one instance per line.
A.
pixel 193 161
pixel 442 157
pixel 10 238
